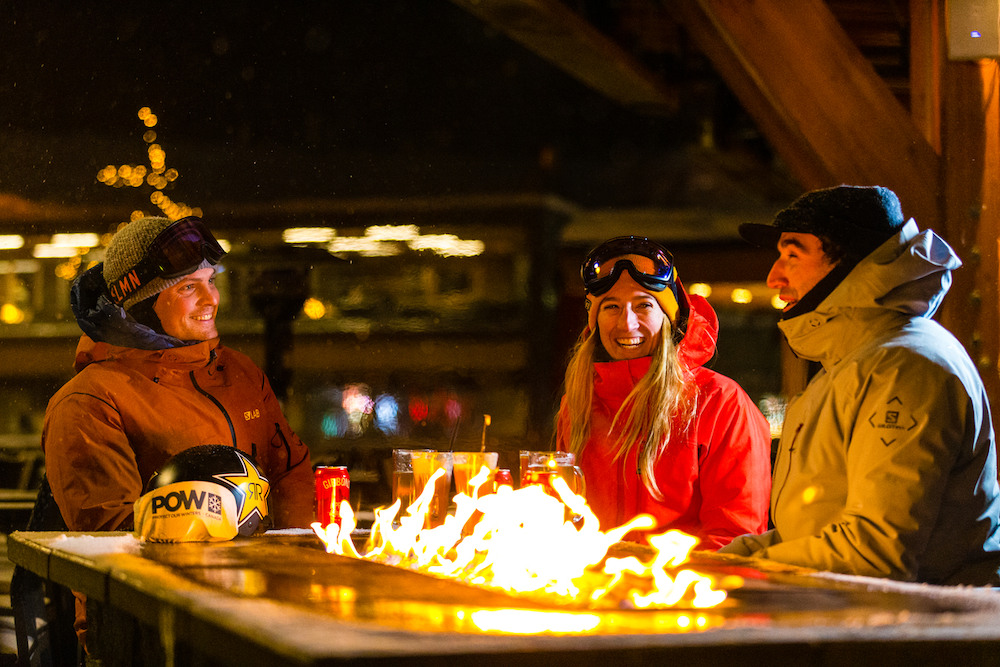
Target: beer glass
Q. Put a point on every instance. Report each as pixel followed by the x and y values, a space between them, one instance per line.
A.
pixel 403 487
pixel 540 467
pixel 522 470
pixel 467 465
pixel 424 465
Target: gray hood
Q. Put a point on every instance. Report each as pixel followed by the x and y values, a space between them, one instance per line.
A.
pixel 907 276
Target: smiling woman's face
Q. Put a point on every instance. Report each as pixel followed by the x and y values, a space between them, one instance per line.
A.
pixel 629 320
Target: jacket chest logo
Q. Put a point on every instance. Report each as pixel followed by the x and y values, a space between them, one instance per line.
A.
pixel 251 414
pixel 893 418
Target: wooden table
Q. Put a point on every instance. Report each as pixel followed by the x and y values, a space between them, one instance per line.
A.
pixel 281 599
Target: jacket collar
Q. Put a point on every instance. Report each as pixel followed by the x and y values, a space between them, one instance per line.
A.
pixel 103 321
pixel 89 351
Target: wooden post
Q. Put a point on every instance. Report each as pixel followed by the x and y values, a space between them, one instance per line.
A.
pixel 970 141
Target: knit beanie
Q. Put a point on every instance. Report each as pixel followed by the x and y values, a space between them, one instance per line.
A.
pixel 128 247
pixel 857 219
pixel 854 219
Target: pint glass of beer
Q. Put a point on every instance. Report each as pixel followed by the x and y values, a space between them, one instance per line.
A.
pixel 467 465
pixel 403 487
pixel 424 465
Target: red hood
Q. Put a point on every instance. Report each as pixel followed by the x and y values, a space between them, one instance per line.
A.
pixel 698 345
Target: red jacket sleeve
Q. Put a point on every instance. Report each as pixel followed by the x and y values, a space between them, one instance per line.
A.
pixel 735 463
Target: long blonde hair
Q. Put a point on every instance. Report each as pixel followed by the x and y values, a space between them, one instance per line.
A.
pixel 660 406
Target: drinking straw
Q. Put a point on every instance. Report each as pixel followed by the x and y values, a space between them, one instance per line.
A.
pixel 486 422
pixel 454 433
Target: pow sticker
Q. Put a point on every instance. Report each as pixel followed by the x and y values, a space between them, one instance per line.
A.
pixel 189 511
pixel 892 421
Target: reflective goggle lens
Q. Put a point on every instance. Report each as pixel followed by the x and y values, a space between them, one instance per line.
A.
pixel 649 263
pixel 181 246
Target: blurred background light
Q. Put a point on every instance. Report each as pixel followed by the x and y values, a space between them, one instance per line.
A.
pixel 76 240
pixel 294 235
pixel 393 232
pixel 741 295
pixel 48 250
pixel 701 289
pixel 11 241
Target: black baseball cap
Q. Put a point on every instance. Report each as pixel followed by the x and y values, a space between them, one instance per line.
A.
pixel 858 218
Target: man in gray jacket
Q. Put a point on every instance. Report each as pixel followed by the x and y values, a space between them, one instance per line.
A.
pixel 887 461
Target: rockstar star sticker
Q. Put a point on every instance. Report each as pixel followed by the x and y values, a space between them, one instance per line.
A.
pixel 250 490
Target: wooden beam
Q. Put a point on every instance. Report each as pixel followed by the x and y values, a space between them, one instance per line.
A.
pixel 554 32
pixel 926 55
pixel 820 103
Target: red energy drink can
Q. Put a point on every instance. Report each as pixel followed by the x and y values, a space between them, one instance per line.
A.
pixel 502 476
pixel 333 485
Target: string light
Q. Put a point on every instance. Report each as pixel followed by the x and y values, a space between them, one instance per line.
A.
pixel 156 175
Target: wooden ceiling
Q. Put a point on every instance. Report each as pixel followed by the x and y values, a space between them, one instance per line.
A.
pixel 638 52
pixel 828 83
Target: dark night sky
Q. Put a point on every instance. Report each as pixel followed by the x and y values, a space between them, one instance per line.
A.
pixel 326 99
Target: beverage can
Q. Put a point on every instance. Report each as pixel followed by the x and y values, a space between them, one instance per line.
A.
pixel 502 476
pixel 333 485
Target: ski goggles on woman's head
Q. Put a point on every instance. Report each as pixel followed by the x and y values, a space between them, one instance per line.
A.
pixel 175 252
pixel 649 264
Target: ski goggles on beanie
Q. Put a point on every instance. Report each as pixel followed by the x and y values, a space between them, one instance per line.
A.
pixel 648 263
pixel 175 252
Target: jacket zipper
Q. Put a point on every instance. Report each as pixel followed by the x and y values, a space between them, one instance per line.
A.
pixel 232 431
pixel 791 448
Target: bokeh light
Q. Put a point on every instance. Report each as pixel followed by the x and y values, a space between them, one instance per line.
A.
pixel 418 409
pixel 741 295
pixel 700 289
pixel 11 314
pixel 387 414
pixel 313 308
pixel 11 241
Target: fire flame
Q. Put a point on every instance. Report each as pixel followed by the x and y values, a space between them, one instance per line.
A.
pixel 522 543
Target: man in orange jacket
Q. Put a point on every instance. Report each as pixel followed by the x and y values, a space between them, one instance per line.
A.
pixel 153 380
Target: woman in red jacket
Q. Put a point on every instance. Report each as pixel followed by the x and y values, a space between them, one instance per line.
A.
pixel 653 430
